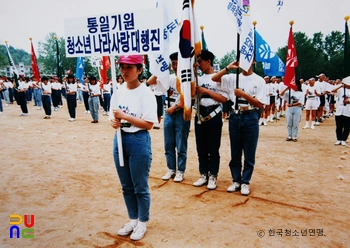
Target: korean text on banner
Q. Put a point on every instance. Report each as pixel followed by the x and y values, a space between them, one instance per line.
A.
pixel 133 32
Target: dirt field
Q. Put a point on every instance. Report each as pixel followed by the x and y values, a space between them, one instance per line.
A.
pixel 63 173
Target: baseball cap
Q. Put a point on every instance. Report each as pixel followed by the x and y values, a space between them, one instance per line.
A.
pixel 321 74
pixel 130 59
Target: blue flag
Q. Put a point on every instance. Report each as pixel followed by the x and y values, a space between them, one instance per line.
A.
pixel 272 64
pixel 80 69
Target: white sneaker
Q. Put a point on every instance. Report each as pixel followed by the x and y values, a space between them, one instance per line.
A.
pixel 1 113
pixel 317 123
pixel 168 175
pixel 265 123
pixel 245 189
pixel 85 112
pixel 234 187
pixel 211 182
pixel 126 229
pixel 306 127
pixel 71 119
pixel 179 177
pixel 338 143
pixel 343 143
pixel 313 127
pixel 260 122
pixel 201 181
pixel 138 233
pixel 24 115
pixel 88 112
pixel 38 108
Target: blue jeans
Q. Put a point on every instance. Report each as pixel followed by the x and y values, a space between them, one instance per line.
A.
pixel 6 95
pixel 175 137
pixel 37 97
pixel 244 134
pixel 106 102
pixel 293 117
pixel 134 174
pixel 93 106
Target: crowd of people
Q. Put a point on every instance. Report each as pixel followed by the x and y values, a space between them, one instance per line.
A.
pixel 247 100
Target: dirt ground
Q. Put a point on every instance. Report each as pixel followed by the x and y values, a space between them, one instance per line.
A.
pixel 63 173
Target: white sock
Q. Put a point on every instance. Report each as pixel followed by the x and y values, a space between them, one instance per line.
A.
pixel 141 225
pixel 134 222
pixel 307 123
pixel 313 123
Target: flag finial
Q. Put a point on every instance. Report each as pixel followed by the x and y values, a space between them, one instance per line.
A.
pixel 291 22
pixel 254 23
pixel 30 38
pixel 6 42
pixel 55 37
pixel 346 18
pixel 201 27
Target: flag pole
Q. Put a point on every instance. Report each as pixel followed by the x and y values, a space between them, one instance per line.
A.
pixel 254 23
pixel 119 133
pixel 237 70
pixel 346 47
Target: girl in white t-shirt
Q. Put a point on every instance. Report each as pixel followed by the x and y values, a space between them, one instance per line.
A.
pixel 133 109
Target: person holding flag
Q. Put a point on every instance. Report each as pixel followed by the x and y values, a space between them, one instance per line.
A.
pixel 250 97
pixel 208 125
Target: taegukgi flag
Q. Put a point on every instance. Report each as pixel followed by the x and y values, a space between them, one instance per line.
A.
pixel 189 47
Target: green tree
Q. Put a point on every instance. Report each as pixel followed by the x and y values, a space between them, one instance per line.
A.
pixel 227 59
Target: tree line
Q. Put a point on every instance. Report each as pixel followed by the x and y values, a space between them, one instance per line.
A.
pixel 318 54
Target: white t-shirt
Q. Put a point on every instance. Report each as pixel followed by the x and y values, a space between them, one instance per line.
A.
pixel 173 94
pixel 71 87
pixel 22 85
pixel 253 84
pixel 273 87
pixel 311 91
pixel 341 109
pixel 94 89
pixel 8 84
pixel 139 102
pixel 106 89
pixel 295 97
pixel 206 82
pixel 46 88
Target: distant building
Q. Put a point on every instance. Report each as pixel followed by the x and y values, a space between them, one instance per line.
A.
pixel 22 69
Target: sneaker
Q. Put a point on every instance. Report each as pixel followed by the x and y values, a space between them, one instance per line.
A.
pixel 1 113
pixel 289 139
pixel 265 123
pixel 295 139
pixel 126 229
pixel 212 182
pixel 24 115
pixel 245 189
pixel 138 233
pixel 168 175
pixel 85 112
pixel 317 123
pixel 201 181
pixel 313 127
pixel 306 127
pixel 179 177
pixel 234 187
pixel 343 143
pixel 88 112
pixel 71 119
pixel 38 108
pixel 338 143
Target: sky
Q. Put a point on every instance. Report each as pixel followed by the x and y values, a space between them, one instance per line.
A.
pixel 23 19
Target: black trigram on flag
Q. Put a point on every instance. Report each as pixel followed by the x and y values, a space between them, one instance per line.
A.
pixel 186 75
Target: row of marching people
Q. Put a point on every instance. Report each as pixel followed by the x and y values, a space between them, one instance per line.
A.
pixel 49 92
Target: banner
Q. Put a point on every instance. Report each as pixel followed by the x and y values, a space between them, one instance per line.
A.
pixel 35 68
pixel 133 32
pixel 79 72
pixel 239 10
pixel 13 68
pixel 189 47
pixel 272 64
pixel 159 62
pixel 291 63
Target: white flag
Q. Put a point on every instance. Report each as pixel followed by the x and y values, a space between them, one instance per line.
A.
pixel 240 11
